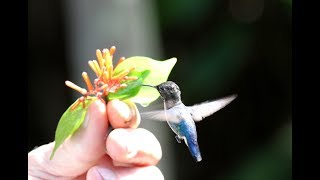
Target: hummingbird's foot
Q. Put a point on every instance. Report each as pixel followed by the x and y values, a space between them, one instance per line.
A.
pixel 178 139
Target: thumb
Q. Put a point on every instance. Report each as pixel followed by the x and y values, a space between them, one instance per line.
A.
pixel 81 151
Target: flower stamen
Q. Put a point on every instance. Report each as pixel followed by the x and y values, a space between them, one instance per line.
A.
pixel 75 104
pixel 99 57
pixel 123 85
pixel 75 87
pixel 112 50
pixel 120 61
pixel 92 66
pixel 121 75
pixel 97 67
pixel 87 81
pixel 130 78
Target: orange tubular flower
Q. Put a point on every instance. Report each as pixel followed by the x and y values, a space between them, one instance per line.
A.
pixel 106 80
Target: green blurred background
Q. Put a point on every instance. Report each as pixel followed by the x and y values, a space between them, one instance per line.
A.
pixel 222 46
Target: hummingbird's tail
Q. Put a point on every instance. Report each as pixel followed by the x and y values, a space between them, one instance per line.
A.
pixel 194 148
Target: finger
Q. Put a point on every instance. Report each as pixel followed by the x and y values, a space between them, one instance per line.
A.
pixel 133 147
pixel 104 170
pixel 123 114
pixel 124 173
pixel 78 153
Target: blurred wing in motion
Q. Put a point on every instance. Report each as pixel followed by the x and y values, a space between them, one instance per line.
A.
pixel 159 115
pixel 200 111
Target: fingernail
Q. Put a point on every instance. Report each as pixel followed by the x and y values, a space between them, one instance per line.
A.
pixel 106 174
pixel 86 119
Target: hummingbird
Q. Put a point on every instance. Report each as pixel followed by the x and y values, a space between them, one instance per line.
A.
pixel 181 118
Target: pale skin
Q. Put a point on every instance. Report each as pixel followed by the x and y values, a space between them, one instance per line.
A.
pixel 94 153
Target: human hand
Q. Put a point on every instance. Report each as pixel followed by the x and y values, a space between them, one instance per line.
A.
pixel 94 153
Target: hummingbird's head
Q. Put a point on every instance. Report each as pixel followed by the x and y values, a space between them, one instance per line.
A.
pixel 168 91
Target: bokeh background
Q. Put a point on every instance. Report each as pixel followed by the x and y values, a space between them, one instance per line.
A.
pixel 222 46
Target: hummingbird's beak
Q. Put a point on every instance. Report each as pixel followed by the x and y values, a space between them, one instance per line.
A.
pixel 149 86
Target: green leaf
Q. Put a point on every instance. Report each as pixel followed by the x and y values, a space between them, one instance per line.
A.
pixel 132 88
pixel 69 123
pixel 159 73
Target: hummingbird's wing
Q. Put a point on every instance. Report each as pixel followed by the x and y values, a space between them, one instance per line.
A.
pixel 158 115
pixel 171 115
pixel 200 111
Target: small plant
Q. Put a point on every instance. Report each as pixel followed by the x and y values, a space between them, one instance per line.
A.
pixel 121 81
